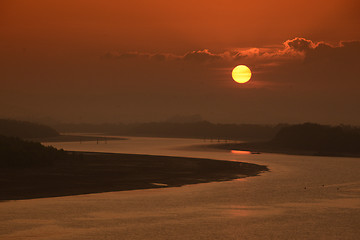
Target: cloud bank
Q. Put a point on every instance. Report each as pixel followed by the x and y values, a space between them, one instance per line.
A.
pixel 297 61
pixel 292 49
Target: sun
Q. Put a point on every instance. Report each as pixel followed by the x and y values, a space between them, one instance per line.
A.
pixel 241 74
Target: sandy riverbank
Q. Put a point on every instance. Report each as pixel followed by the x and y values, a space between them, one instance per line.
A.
pixel 103 172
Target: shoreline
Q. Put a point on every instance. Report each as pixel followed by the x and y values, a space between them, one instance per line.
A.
pixel 89 172
pixel 74 138
pixel 264 147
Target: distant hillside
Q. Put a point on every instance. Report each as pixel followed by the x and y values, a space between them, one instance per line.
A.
pixel 319 138
pixel 22 129
pixel 17 153
pixel 202 129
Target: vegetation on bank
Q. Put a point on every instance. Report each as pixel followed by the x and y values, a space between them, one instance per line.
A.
pixel 307 139
pixel 22 129
pixel 18 153
pixel 319 138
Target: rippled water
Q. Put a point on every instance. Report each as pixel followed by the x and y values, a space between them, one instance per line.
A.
pixel 300 198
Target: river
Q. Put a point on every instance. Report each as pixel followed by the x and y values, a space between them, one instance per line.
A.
pixel 301 197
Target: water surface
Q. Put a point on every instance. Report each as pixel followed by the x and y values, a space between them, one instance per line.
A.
pixel 302 197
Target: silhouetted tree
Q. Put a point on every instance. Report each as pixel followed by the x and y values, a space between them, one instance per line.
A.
pixel 321 138
pixel 15 152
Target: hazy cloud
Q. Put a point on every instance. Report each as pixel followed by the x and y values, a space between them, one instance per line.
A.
pixel 139 55
pixel 298 56
pixel 293 48
pixel 201 56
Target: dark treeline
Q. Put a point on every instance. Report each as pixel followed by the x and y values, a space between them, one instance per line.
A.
pixel 202 129
pixel 18 153
pixel 23 129
pixel 306 139
pixel 319 138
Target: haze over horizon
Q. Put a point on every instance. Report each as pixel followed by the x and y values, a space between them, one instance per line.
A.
pixel 107 61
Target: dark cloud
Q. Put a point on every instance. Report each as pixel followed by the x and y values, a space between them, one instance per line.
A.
pixel 346 52
pixel 299 44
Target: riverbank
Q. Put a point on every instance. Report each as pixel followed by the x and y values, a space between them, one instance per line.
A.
pixel 75 138
pixel 87 172
pixel 266 147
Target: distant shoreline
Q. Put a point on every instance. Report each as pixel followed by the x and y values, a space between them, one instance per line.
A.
pixel 74 138
pixel 265 147
pixel 104 172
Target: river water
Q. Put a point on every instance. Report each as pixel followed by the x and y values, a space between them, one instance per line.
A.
pixel 301 197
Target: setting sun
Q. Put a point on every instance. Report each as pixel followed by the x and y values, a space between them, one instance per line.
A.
pixel 241 74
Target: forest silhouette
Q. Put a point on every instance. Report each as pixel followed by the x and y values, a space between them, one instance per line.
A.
pixel 320 138
pixel 18 153
pixel 308 137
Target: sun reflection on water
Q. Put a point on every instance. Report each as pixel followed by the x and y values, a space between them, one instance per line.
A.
pixel 240 152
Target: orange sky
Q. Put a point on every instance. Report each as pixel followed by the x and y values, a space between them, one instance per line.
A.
pixel 168 26
pixel 86 60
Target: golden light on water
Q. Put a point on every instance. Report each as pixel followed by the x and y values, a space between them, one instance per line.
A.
pixel 241 74
pixel 240 152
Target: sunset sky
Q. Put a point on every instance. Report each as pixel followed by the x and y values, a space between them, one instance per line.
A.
pixel 137 61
